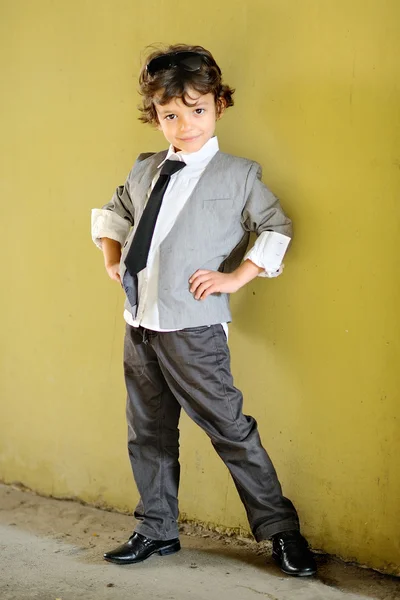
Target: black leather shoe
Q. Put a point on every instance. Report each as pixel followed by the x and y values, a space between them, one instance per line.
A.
pixel 139 547
pixel 290 550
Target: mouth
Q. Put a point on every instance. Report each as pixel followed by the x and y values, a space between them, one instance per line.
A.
pixel 189 139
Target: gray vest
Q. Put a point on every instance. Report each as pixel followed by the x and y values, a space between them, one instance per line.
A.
pixel 211 232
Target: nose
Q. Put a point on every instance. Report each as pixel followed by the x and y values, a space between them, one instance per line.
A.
pixel 185 124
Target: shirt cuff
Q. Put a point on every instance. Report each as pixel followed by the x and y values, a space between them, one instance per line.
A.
pixel 106 223
pixel 268 252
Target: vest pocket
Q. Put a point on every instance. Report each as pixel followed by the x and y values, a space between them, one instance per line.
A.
pixel 218 203
pixel 217 198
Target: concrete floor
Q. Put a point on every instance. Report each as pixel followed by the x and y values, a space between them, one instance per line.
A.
pixel 52 550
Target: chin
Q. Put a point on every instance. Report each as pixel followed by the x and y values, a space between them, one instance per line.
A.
pixel 191 146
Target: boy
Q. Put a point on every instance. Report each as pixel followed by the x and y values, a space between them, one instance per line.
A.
pixel 183 219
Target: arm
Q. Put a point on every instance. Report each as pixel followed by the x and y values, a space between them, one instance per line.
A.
pixel 262 214
pixel 110 228
pixel 115 218
pixel 203 283
pixel 112 256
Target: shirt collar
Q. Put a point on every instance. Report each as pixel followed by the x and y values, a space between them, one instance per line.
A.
pixel 205 153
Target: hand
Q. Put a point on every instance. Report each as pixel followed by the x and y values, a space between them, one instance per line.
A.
pixel 203 283
pixel 113 271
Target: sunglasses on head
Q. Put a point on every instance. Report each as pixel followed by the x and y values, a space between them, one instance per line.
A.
pixel 190 61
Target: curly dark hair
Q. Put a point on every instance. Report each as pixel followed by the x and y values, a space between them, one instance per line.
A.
pixel 175 83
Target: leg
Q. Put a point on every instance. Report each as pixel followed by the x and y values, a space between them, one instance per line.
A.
pixel 196 366
pixel 153 438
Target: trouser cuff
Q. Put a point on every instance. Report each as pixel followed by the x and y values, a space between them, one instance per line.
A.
pixel 150 533
pixel 266 531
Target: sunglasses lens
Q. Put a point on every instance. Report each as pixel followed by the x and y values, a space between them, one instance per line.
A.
pixel 158 64
pixel 191 63
pixel 188 60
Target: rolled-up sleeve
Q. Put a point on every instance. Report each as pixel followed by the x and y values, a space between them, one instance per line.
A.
pixel 115 218
pixel 106 223
pixel 264 215
pixel 268 252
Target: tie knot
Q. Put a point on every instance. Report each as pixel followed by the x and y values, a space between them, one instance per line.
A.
pixel 172 166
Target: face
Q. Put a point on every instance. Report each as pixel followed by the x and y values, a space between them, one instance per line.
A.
pixel 188 128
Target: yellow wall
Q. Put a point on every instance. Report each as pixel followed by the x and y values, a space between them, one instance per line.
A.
pixel 316 352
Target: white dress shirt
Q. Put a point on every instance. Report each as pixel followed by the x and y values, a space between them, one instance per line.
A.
pixel 267 252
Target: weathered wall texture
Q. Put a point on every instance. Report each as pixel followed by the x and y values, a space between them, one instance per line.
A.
pixel 316 352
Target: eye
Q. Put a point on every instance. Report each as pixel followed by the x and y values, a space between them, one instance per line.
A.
pixel 170 117
pixel 200 111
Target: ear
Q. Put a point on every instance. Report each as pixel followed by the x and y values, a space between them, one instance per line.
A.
pixel 220 106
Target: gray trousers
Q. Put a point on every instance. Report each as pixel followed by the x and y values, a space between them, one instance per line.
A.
pixel 190 369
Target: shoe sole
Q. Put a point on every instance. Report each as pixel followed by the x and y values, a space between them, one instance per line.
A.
pixel 278 562
pixel 162 552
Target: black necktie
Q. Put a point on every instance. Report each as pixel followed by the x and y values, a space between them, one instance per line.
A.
pixel 136 258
